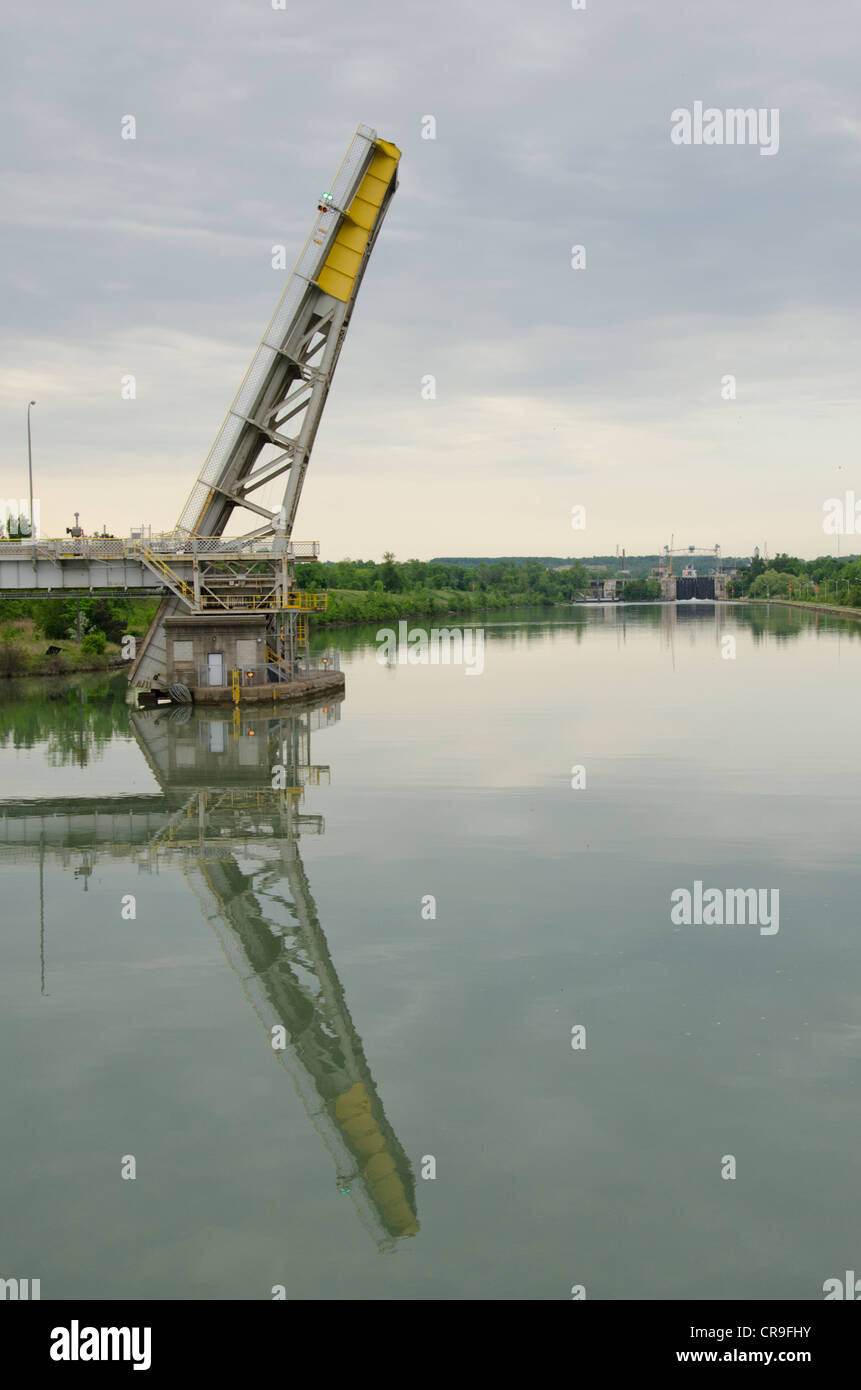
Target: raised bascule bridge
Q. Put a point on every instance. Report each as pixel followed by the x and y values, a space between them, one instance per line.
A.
pixel 232 623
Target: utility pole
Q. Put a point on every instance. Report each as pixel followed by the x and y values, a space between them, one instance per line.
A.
pixel 30 465
pixel 42 906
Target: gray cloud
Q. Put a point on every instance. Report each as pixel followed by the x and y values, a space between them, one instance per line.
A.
pixel 555 386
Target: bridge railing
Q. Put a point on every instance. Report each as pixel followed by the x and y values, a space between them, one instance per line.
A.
pixel 264 601
pixel 177 544
pixel 180 543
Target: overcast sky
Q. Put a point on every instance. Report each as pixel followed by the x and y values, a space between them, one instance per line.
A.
pixel 556 387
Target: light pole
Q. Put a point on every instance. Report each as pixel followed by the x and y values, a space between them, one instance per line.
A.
pixel 30 463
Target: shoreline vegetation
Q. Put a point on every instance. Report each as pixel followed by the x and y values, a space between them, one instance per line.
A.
pixel 367 592
pixel 31 628
pixel 812 606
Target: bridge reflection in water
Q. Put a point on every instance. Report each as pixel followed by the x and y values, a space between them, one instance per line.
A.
pixel 217 808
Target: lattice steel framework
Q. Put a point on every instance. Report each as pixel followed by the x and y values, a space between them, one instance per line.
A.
pixel 269 431
pixel 270 427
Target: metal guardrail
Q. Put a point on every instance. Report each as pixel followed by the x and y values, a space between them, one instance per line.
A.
pixel 323 661
pixel 175 544
pixel 181 545
pixel 297 601
pixel 258 673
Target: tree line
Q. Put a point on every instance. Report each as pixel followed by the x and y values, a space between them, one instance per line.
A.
pixel 370 590
pixel 824 580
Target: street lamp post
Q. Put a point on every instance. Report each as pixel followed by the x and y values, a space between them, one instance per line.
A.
pixel 30 464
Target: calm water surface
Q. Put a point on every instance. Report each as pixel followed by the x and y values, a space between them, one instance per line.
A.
pixel 167 916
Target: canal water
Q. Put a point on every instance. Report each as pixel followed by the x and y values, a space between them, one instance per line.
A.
pixel 384 999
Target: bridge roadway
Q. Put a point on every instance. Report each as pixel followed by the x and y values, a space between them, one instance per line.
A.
pixel 206 572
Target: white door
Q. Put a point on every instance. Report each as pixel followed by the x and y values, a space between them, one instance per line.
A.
pixel 215 668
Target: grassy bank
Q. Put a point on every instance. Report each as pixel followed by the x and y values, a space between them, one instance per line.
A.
pixel 30 626
pixel 23 652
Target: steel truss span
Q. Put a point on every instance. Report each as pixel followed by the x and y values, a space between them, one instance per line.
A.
pixel 270 428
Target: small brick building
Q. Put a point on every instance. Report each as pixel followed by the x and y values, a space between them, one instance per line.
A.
pixel 204 651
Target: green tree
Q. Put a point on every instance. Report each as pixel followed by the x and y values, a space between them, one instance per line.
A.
pixel 638 589
pixel 772 584
pixel 390 576
pixel 55 618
